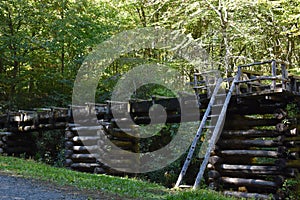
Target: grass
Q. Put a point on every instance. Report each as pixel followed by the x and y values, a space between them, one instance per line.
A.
pixel 123 187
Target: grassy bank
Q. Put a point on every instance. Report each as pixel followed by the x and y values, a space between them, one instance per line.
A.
pixel 123 187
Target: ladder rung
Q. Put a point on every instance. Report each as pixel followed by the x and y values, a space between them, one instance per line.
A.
pixel 210 127
pixel 221 95
pixel 218 105
pixel 213 115
pixel 200 87
pixel 185 186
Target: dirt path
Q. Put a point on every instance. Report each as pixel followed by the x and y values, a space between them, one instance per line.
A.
pixel 18 188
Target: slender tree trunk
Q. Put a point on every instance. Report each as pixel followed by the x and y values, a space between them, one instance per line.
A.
pixel 62 16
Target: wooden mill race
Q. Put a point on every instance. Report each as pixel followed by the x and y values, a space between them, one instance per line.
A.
pixel 248 142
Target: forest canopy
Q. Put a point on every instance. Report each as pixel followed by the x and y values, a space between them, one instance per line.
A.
pixel 44 42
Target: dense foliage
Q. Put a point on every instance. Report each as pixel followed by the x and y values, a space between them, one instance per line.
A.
pixel 43 43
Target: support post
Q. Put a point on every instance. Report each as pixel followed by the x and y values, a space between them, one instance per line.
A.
pixel 273 85
pixel 284 76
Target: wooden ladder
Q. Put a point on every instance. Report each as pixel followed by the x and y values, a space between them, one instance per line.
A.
pixel 210 139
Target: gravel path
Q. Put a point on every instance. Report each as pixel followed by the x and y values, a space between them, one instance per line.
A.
pixel 18 188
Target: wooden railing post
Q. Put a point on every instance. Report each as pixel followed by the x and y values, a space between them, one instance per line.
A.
pixel 284 76
pixel 273 85
pixel 239 73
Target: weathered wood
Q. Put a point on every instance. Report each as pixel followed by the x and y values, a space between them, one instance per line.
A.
pixel 198 134
pixel 122 143
pixel 249 167
pixel 68 153
pixel 69 145
pixel 243 123
pixel 69 135
pixel 86 148
pixel 84 156
pixel 252 133
pixel 258 173
pixel 280 113
pixel 99 170
pixel 251 153
pixel 121 135
pixel 85 138
pixel 215 160
pixel 252 107
pixel 217 131
pixel 213 174
pixel 68 162
pixel 273 85
pixel 30 128
pixel 86 128
pixel 85 165
pixel 281 127
pixel 249 182
pixel 248 143
pixel 172 118
pixel 257 80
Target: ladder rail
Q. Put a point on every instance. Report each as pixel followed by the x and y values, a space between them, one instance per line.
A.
pixel 198 134
pixel 216 131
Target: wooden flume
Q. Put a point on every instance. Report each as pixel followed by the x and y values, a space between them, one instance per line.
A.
pixel 250 153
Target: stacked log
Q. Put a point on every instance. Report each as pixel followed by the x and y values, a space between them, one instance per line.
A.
pixel 85 152
pixel 37 120
pixel 254 161
pixel 79 149
pixel 86 143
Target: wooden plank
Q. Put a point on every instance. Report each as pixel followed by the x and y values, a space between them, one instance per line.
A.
pixel 251 72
